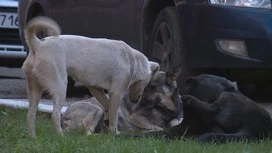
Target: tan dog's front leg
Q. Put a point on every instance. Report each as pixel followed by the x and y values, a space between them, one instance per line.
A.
pixel 143 123
pixel 99 94
pixel 115 101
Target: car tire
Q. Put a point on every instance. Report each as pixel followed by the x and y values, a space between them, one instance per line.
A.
pixel 166 44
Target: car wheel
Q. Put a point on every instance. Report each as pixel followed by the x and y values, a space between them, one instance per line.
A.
pixel 166 44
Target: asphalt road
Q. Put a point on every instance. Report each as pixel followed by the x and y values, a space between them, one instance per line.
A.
pixel 13 86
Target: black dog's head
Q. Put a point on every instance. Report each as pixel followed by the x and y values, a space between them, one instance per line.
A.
pixel 208 87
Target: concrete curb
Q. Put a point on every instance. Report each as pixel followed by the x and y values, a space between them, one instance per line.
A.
pixel 24 105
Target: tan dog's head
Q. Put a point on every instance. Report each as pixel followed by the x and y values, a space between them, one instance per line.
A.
pixel 137 88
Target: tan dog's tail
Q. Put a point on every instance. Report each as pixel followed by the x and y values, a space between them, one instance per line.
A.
pixel 40 24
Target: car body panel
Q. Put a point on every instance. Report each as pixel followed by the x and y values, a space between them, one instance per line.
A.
pixel 119 14
pixel 205 24
pixel 202 25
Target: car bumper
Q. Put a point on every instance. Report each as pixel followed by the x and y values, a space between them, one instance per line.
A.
pixel 12 51
pixel 205 24
pixel 10 43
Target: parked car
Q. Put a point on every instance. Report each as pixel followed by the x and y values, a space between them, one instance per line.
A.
pixel 225 37
pixel 12 52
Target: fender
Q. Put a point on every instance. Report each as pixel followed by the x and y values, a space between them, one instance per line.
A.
pixel 144 34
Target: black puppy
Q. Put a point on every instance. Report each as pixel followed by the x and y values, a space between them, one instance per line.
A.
pixel 214 110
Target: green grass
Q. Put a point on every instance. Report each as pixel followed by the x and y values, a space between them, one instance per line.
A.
pixel 14 138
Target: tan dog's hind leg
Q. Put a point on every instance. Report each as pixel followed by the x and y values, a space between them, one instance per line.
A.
pixel 59 96
pixel 55 81
pixel 34 95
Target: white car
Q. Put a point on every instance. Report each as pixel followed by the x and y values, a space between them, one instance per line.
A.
pixel 12 52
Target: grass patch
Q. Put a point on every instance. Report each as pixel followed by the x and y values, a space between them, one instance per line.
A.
pixel 14 138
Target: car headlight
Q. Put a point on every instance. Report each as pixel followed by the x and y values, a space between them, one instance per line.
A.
pixel 244 3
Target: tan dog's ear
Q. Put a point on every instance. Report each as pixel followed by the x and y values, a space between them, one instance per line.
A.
pixel 174 73
pixel 155 67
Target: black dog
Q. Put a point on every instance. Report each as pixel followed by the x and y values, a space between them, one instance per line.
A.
pixel 214 110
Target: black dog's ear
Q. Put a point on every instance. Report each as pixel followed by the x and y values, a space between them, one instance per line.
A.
pixel 229 87
pixel 192 81
pixel 173 74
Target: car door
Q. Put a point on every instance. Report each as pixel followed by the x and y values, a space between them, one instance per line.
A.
pixel 113 19
pixel 68 14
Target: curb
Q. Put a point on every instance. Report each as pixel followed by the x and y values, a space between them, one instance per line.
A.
pixel 24 105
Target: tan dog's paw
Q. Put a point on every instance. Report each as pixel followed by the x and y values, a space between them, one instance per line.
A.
pixel 114 130
pixel 89 132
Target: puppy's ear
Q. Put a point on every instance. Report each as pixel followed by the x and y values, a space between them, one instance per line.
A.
pixel 175 94
pixel 155 67
pixel 173 73
pixel 176 98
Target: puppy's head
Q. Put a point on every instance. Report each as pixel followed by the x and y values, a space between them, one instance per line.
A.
pixel 207 87
pixel 137 88
pixel 170 106
pixel 162 90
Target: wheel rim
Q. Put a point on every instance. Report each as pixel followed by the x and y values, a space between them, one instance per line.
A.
pixel 163 46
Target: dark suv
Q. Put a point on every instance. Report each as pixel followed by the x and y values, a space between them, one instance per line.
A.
pixel 227 37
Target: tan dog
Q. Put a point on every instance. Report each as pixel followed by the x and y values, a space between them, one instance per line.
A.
pixel 159 108
pixel 98 63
